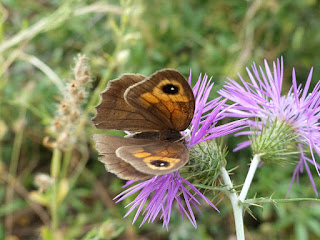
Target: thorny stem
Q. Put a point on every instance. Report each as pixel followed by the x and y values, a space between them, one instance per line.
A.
pixel 237 200
pixel 253 167
pixel 236 205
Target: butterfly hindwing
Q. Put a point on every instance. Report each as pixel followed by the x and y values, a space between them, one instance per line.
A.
pixel 156 158
pixel 137 159
pixel 107 146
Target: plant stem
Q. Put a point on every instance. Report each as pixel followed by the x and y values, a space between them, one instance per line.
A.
pixel 17 144
pixel 58 17
pixel 236 204
pixel 112 61
pixel 253 167
pixel 236 201
pixel 55 168
pixel 65 163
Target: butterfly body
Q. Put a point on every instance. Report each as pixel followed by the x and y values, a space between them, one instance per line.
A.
pixel 156 108
pixel 169 135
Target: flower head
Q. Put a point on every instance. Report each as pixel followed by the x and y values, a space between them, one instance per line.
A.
pixel 163 190
pixel 157 195
pixel 262 99
pixel 208 113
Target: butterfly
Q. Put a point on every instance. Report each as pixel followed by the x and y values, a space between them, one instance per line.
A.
pixel 156 108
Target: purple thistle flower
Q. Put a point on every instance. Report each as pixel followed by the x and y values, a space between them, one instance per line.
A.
pixel 208 113
pixel 261 98
pixel 163 190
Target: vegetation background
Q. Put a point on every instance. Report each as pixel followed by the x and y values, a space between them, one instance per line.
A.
pixel 39 41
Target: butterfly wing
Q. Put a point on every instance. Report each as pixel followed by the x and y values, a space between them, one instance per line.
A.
pixel 156 158
pixel 107 146
pixel 164 98
pixel 114 112
pixel 138 159
pixel 163 101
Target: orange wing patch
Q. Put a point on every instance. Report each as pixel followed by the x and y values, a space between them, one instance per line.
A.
pixel 141 154
pixel 165 98
pixel 160 161
pixel 170 103
pixel 150 97
pixel 157 94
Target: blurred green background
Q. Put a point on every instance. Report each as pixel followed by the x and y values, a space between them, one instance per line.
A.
pixel 39 41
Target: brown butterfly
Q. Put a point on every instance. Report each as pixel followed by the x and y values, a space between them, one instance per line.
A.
pixel 156 108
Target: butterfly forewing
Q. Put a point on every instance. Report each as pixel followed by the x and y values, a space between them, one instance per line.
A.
pixel 114 112
pixel 165 97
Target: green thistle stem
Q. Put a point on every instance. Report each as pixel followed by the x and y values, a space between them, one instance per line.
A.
pixel 237 200
pixel 253 167
pixel 236 204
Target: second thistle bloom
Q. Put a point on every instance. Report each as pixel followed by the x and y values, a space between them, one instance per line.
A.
pixel 262 98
